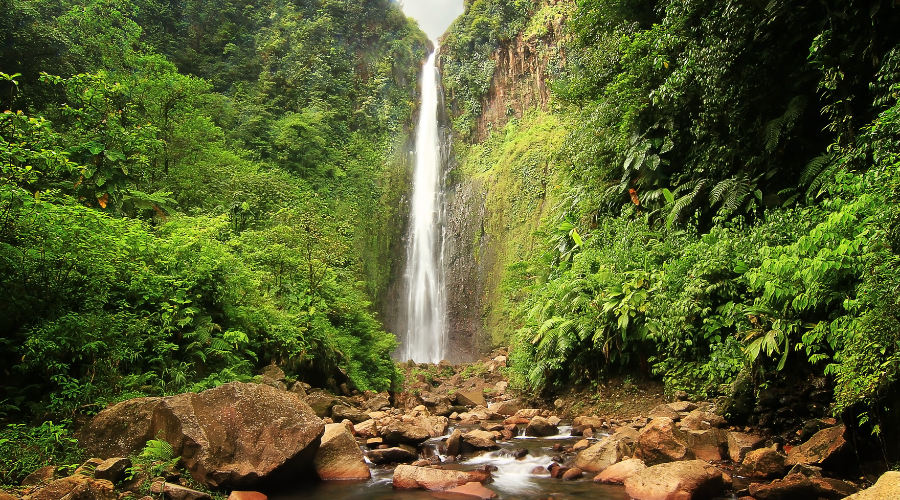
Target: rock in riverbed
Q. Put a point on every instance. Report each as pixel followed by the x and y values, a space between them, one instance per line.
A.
pixel 233 436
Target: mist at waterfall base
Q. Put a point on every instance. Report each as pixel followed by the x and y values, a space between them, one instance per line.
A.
pixel 426 336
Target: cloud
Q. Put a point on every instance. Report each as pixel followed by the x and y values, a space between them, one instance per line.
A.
pixel 434 16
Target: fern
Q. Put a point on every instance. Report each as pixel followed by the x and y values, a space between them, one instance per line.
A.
pixel 683 203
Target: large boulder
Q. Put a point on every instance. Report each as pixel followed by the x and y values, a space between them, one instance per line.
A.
pixel 113 469
pixel 763 463
pixel 885 488
pixel 339 413
pixel 661 441
pixel 378 402
pixel 541 427
pixel 478 440
pixel 739 444
pixel 41 476
pixel 699 420
pixel 618 473
pixel 233 436
pixel 396 455
pixel 77 487
pixel 339 457
pixel 470 398
pixel 663 411
pixel 792 487
pixel 321 403
pixel 606 452
pixel 592 422
pixel 689 480
pixel 435 426
pixel 709 445
pixel 408 477
pixel 826 448
pixel 504 408
pixel 454 443
pixel 398 432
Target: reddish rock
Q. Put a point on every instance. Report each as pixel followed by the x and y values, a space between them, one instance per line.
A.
pixel 663 411
pixel 367 429
pixel 592 422
pixel 40 476
pixel 504 408
pixel 471 490
pixel 581 445
pixel 399 454
pixel 540 427
pixel 708 445
pixel 230 437
pixel 573 474
pixel 409 477
pixel 397 432
pixel 528 413
pixel 699 420
pixel 682 406
pixel 557 471
pixel 478 440
pixel 470 398
pixel 604 453
pixel 825 448
pixel 661 442
pixel 833 489
pixel 763 463
pixel 77 487
pixel 247 495
pixel 453 443
pixel 516 421
pixel 692 479
pixel 339 456
pixel 618 473
pixel 113 469
pixel 793 487
pixel 739 444
pixel 175 492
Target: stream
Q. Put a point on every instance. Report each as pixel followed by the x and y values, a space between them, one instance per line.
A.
pixel 513 478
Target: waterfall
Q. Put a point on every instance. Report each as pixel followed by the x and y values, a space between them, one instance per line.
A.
pixel 426 336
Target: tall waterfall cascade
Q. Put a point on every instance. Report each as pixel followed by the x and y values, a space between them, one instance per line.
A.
pixel 426 336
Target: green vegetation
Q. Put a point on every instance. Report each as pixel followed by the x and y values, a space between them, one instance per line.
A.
pixel 25 449
pixel 191 190
pixel 727 201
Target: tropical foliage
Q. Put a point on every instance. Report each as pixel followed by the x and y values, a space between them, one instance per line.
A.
pixel 191 190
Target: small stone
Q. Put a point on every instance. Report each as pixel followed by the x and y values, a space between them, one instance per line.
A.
pixel 113 469
pixel 573 474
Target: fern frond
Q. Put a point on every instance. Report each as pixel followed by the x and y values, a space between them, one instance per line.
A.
pixel 772 133
pixel 814 168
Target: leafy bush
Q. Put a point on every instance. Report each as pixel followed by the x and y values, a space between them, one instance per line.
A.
pixel 25 449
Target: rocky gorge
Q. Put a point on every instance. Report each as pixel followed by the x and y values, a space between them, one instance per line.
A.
pixel 452 430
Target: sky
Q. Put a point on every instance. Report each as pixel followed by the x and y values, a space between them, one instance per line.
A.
pixel 434 16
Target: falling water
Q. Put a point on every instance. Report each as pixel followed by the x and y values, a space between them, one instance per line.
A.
pixel 426 306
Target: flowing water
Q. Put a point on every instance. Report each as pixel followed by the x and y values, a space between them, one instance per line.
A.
pixel 426 337
pixel 514 479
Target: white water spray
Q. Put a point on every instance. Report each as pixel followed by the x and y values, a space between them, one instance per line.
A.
pixel 426 336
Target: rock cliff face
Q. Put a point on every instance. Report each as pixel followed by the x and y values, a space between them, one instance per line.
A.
pixel 523 68
pixel 475 252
